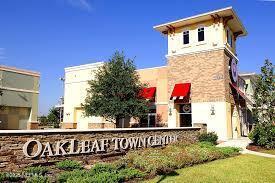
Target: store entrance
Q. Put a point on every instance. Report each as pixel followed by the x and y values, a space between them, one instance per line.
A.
pixel 185 115
pixel 149 120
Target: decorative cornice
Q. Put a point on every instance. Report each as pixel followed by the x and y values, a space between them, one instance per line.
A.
pixel 19 90
pixel 84 67
pixel 20 71
pixel 159 67
pixel 72 131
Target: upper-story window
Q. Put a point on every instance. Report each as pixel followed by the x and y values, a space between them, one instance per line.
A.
pixel 185 37
pixel 201 34
pixel 229 37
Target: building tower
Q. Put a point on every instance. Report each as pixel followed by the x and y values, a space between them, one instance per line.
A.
pixel 202 71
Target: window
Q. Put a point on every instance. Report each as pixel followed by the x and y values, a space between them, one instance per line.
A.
pixel 186 37
pixel 229 37
pixel 201 34
pixel 185 115
pixel 150 119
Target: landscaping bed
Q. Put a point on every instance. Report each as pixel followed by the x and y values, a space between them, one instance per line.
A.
pixel 254 147
pixel 134 166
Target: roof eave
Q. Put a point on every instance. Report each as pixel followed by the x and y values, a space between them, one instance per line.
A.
pixel 163 27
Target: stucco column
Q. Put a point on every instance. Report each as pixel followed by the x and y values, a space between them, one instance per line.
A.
pixel 32 125
pixel 236 122
pixel 172 114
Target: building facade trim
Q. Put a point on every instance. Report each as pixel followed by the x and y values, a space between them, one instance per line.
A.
pixel 19 90
pixel 84 67
pixel 202 51
pixel 20 71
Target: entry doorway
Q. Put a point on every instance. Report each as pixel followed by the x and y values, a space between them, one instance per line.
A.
pixel 185 115
pixel 149 120
pixel 123 123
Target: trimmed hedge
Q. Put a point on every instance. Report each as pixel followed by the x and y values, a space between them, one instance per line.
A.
pixel 208 137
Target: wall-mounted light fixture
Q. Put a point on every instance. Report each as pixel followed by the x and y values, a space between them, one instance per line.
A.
pixel 170 111
pixel 212 110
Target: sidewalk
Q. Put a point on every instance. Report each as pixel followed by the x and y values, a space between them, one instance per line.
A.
pixel 242 143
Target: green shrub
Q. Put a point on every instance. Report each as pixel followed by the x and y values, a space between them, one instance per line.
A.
pixel 208 137
pixel 137 164
pixel 9 177
pixel 175 156
pixel 2 177
pixel 103 167
pixel 102 172
pixel 69 165
pixel 64 176
pixel 263 135
pixel 103 177
pixel 130 173
pixel 229 151
pixel 37 170
pixel 37 179
pixel 205 144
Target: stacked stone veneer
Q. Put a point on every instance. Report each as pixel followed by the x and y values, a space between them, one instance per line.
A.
pixel 12 157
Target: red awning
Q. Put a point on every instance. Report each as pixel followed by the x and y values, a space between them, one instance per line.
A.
pixel 181 90
pixel 240 93
pixel 148 93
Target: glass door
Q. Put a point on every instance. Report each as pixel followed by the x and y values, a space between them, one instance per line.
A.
pixel 185 115
pixel 149 120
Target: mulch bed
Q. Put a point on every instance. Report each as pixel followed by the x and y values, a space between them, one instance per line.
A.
pixel 253 147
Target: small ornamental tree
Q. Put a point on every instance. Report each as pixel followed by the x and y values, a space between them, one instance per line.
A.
pixel 43 120
pixel 263 112
pixel 264 95
pixel 114 93
pixel 54 117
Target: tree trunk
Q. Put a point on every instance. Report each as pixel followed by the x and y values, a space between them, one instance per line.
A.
pixel 117 122
pixel 123 121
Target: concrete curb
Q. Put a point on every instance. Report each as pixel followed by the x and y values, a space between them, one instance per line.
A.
pixel 243 143
pixel 246 151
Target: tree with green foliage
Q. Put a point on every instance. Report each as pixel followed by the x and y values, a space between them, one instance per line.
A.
pixel 43 121
pixel 263 133
pixel 54 117
pixel 115 92
pixel 264 95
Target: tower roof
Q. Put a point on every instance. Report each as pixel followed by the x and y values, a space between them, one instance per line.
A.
pixel 228 14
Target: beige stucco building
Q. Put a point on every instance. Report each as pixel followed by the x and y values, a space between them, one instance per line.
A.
pixel 20 91
pixel 247 85
pixel 76 83
pixel 199 84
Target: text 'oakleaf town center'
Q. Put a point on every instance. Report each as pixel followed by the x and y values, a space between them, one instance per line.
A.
pixel 199 86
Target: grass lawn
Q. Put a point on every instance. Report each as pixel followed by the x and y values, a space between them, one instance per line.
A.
pixel 269 151
pixel 243 168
